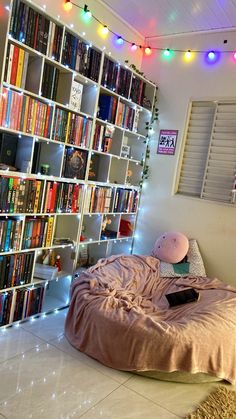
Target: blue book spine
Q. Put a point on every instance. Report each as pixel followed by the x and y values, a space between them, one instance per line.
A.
pixel 105 107
pixel 9 99
pixel 8 234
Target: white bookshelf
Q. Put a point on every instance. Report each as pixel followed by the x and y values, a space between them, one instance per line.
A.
pixel 84 228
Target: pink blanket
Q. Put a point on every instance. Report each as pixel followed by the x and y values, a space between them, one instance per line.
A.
pixel 119 315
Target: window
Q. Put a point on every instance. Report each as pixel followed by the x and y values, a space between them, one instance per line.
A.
pixel 208 165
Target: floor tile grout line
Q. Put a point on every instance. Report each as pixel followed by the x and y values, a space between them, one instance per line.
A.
pixel 101 400
pixel 23 352
pixel 39 337
pixel 88 365
pixel 150 400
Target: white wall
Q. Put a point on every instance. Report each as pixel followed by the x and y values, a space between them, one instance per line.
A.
pixel 212 224
pixel 105 15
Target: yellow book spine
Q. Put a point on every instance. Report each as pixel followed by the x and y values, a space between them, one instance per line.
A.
pixel 26 113
pixel 37 194
pixel 49 231
pixel 34 116
pixel 68 127
pixel 20 67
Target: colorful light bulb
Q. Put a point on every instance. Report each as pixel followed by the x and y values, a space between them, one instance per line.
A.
pixel 86 12
pixel 166 52
pixel 211 55
pixel 104 30
pixel 67 5
pixel 120 40
pixel 188 55
pixel 134 47
pixel 234 56
pixel 148 50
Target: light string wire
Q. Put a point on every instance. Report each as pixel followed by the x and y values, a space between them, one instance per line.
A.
pixel 84 8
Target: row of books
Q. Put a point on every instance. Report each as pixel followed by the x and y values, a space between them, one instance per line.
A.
pixel 16 66
pixel 24 113
pixel 29 26
pixel 125 116
pixel 137 92
pixel 81 57
pixel 18 195
pixel 63 197
pixel 116 78
pixel 55 41
pixel 38 232
pixel 72 128
pixel 126 200
pixel 107 108
pixel 98 199
pixel 50 81
pixel 10 233
pixel 102 199
pixel 22 303
pixel 102 139
pixel 15 269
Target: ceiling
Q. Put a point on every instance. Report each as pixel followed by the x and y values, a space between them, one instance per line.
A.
pixel 164 17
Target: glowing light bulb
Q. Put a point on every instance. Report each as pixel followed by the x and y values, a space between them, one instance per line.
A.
pixel 188 55
pixel 134 47
pixel 104 30
pixel 234 56
pixel 167 52
pixel 86 13
pixel 148 50
pixel 67 5
pixel 211 55
pixel 120 40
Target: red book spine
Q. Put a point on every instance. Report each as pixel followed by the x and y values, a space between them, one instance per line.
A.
pixel 3 107
pixel 74 205
pixel 19 110
pixel 14 65
pixel 36 31
pixel 53 197
pixel 46 122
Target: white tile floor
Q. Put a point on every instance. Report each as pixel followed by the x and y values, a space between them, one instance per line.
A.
pixel 42 376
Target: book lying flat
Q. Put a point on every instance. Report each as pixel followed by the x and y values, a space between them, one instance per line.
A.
pixel 185 296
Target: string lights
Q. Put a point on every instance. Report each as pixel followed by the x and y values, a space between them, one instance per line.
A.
pixel 211 56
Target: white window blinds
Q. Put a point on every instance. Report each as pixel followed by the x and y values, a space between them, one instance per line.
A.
pixel 209 161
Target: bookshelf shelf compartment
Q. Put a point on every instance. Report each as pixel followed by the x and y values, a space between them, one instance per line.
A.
pixel 118 170
pixel 136 146
pixel 47 158
pixel 23 68
pixel 91 227
pixel 90 253
pixel 56 83
pixel 72 137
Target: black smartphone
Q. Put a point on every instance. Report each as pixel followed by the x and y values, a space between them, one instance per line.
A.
pixel 188 295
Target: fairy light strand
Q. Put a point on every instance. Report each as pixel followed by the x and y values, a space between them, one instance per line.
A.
pixel 134 46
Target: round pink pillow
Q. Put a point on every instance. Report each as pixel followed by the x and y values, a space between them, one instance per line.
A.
pixel 171 247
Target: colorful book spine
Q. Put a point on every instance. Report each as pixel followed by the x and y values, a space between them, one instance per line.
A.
pixel 35 115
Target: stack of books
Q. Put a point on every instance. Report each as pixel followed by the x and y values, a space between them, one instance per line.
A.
pixel 38 232
pixel 10 233
pixel 63 197
pixel 72 128
pixel 107 108
pixel 81 57
pixel 29 26
pixel 24 113
pixel 98 199
pixel 126 200
pixel 16 66
pixel 20 195
pixel 15 269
